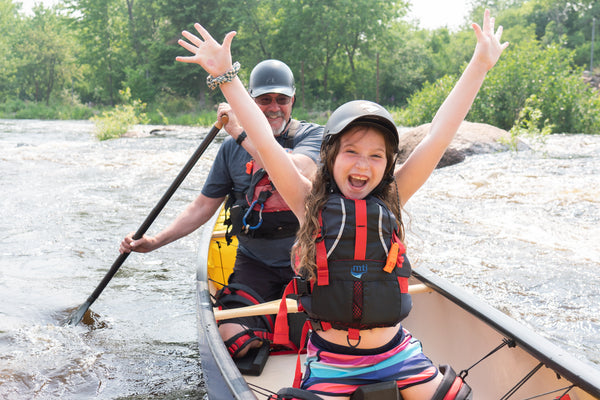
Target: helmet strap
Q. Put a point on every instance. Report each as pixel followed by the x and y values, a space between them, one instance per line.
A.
pixel 331 185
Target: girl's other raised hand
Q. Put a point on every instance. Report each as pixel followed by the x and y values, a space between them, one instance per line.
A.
pixel 208 53
pixel 488 48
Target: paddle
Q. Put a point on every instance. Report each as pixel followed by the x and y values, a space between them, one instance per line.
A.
pixel 271 307
pixel 78 314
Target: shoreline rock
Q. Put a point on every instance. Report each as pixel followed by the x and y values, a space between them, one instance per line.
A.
pixel 471 138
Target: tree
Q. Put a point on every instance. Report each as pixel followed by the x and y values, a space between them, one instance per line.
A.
pixel 168 76
pixel 8 23
pixel 101 26
pixel 45 59
pixel 330 40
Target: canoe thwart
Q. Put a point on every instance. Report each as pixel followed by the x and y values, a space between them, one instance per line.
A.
pixel 271 307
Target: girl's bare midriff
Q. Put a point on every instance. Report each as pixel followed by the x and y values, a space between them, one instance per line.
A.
pixel 369 338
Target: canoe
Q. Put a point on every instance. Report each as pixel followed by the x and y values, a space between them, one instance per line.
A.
pixel 501 358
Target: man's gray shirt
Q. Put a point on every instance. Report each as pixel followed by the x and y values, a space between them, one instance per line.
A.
pixel 228 175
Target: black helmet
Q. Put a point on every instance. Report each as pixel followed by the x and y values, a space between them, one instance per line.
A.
pixel 271 76
pixel 360 112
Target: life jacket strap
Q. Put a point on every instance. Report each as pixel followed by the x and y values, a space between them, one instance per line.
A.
pixel 353 333
pixel 298 373
pixel 360 243
pixel 401 249
pixel 281 334
pixel 403 283
pixel 322 266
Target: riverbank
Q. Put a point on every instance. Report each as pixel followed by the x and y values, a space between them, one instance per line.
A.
pixel 184 112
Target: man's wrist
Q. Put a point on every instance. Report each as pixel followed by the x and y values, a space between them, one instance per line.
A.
pixel 241 137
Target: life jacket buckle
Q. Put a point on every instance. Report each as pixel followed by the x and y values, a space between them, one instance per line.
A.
pixel 302 286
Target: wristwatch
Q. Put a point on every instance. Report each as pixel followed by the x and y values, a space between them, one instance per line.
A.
pixel 241 138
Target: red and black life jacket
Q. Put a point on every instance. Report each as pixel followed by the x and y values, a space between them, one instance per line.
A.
pixel 362 269
pixel 260 212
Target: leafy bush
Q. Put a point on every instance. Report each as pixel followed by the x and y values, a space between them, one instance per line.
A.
pixel 529 79
pixel 542 78
pixel 19 109
pixel 114 123
pixel 529 124
pixel 423 105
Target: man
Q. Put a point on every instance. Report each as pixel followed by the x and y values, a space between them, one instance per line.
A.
pixel 265 238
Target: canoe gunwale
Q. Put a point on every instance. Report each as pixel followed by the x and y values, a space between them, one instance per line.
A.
pixel 565 364
pixel 216 362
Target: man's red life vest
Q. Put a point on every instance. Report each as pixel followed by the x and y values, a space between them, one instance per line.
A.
pixel 362 271
pixel 261 212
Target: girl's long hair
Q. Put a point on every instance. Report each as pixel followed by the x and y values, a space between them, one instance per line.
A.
pixel 304 250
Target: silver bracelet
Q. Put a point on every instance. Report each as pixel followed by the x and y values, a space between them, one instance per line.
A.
pixel 214 82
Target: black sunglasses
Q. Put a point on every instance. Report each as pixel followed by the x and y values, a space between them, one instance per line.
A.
pixel 266 99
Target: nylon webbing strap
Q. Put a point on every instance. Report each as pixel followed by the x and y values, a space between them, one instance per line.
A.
pixel 360 245
pixel 322 267
pixel 403 283
pixel 281 333
pixel 298 373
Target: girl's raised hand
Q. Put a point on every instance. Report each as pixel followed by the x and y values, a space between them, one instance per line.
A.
pixel 208 53
pixel 488 49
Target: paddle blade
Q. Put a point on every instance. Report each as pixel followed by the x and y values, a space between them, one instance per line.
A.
pixel 76 316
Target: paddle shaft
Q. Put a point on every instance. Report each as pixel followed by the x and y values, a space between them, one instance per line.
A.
pixel 76 317
pixel 271 307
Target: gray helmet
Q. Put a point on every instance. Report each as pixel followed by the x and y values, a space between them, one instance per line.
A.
pixel 271 76
pixel 360 112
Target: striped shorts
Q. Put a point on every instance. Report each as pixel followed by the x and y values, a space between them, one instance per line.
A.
pixel 333 370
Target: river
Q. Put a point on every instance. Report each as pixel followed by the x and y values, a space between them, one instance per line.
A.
pixel 517 229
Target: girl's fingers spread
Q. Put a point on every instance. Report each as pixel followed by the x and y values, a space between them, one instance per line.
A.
pixel 203 32
pixel 477 29
pixel 486 20
pixel 228 38
pixel 192 38
pixel 189 60
pixel 187 46
pixel 499 32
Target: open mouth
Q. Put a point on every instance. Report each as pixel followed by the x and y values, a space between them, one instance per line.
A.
pixel 357 181
pixel 274 115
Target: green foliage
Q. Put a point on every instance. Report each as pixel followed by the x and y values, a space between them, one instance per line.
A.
pixel 8 23
pixel 423 105
pixel 339 63
pixel 545 72
pixel 404 70
pixel 22 109
pixel 530 79
pixel 114 123
pixel 101 27
pixel 529 124
pixel 44 63
pixel 86 51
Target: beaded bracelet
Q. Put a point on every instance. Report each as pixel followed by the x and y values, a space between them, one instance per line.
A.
pixel 214 82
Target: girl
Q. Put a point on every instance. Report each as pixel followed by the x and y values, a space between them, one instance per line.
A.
pixel 351 224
